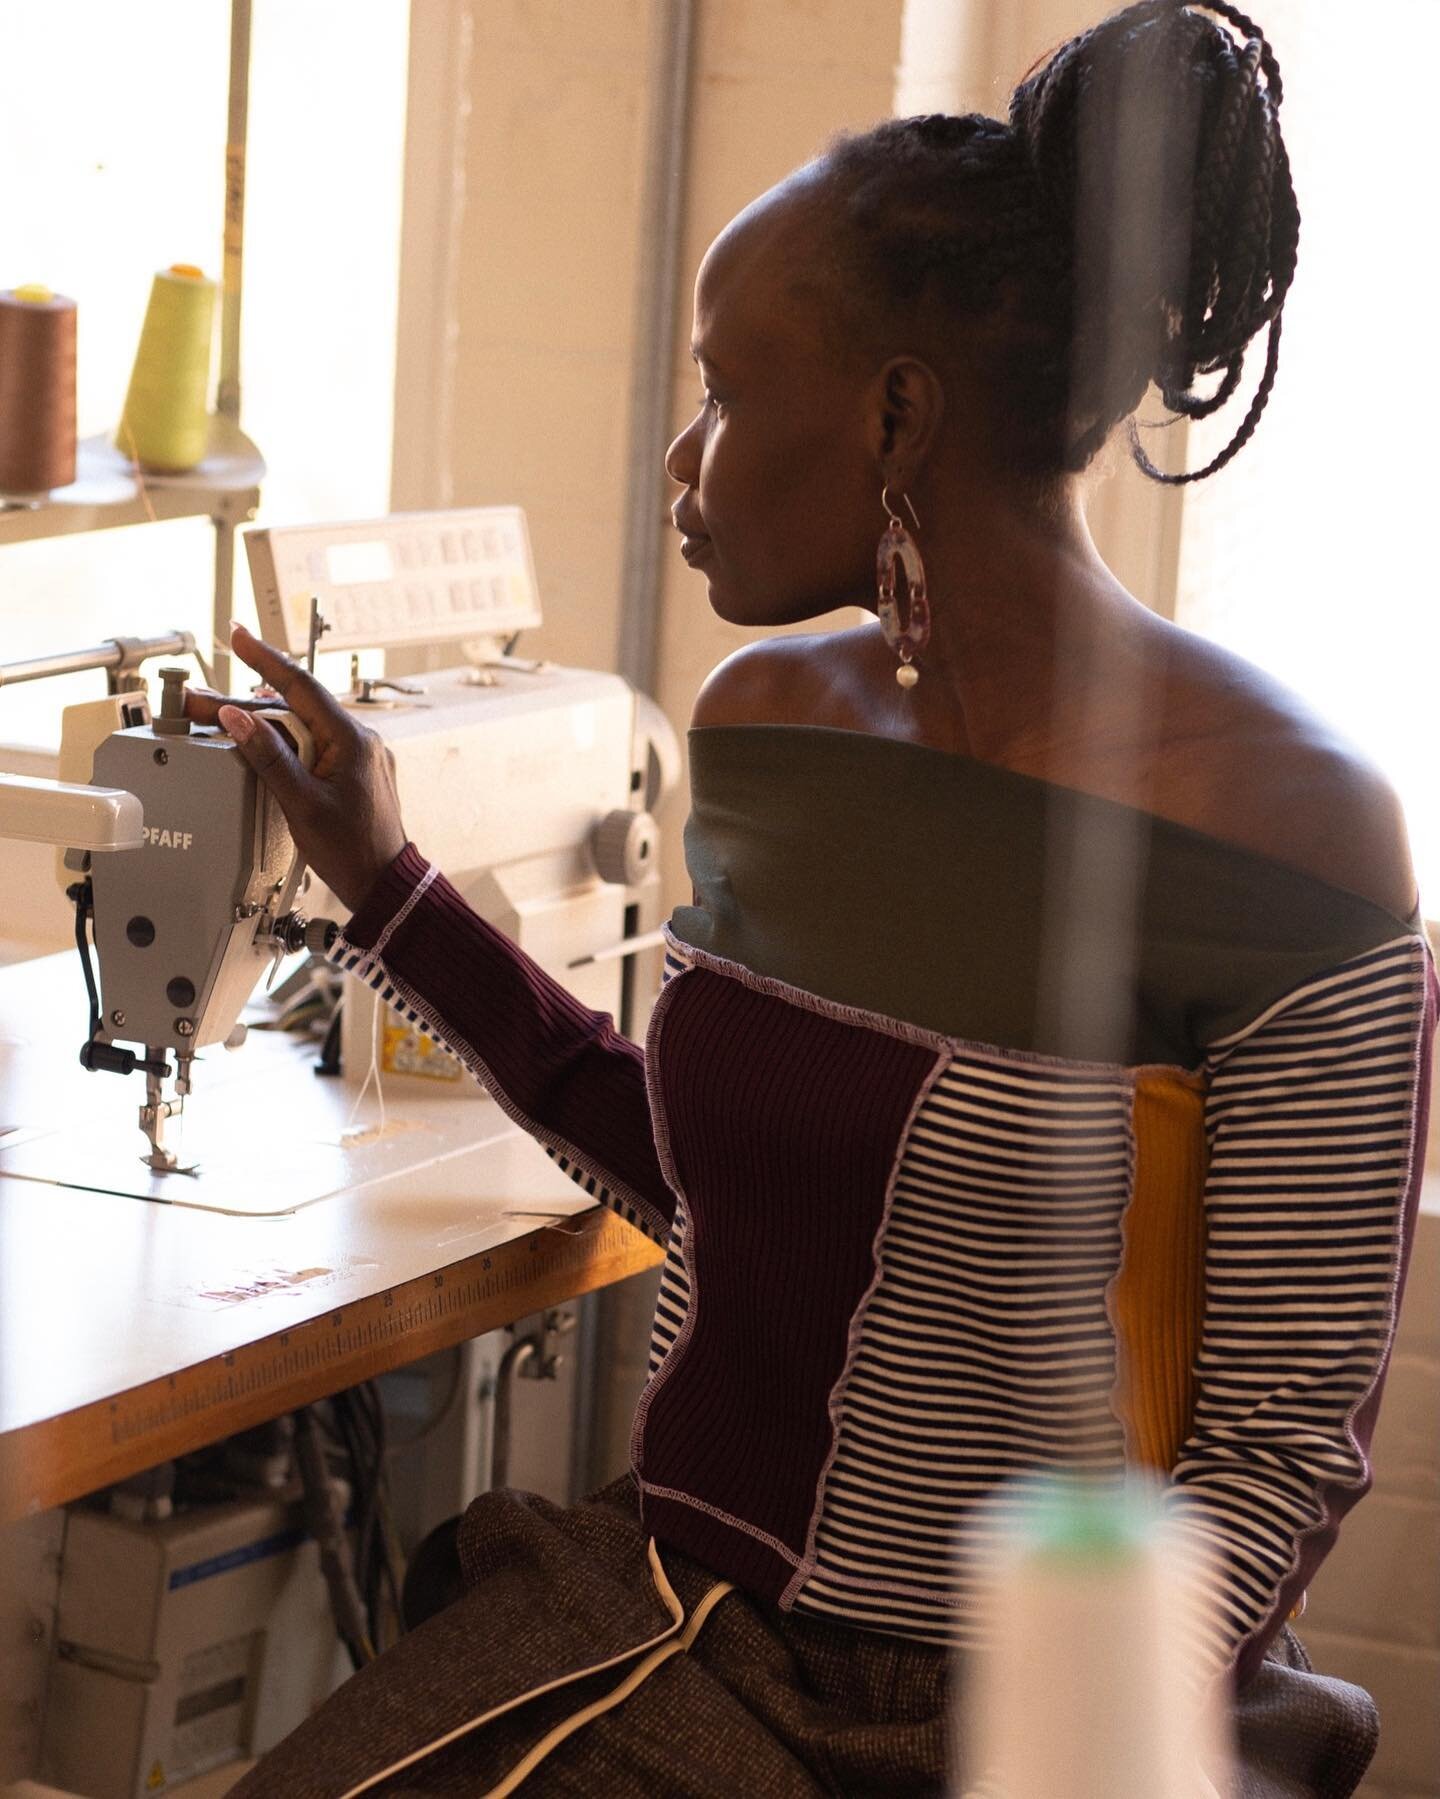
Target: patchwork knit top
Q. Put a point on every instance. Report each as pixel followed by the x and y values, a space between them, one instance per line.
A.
pixel 991 1128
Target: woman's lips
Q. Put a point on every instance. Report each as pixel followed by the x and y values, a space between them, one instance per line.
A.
pixel 694 549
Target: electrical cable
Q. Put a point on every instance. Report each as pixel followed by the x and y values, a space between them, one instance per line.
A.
pixel 366 1462
pixel 394 1559
pixel 324 1518
pixel 358 1427
pixel 388 1561
pixel 81 894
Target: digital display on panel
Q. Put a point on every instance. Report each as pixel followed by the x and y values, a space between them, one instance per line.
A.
pixel 348 563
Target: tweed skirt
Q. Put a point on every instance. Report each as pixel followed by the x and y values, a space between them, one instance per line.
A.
pixel 600 1668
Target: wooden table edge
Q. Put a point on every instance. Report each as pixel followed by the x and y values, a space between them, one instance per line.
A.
pixel 55 1460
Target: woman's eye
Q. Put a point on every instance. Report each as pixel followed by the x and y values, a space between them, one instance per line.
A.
pixel 708 403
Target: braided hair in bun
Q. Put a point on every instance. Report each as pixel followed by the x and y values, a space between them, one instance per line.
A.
pixel 1133 221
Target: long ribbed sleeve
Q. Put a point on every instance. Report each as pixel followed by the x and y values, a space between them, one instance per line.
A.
pixel 1316 1122
pixel 562 1072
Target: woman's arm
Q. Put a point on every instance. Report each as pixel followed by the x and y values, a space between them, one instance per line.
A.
pixel 1316 1126
pixel 561 1071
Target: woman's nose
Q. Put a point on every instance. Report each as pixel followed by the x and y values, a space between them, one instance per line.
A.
pixel 682 459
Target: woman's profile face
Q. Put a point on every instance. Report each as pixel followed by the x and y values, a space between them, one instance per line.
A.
pixel 781 501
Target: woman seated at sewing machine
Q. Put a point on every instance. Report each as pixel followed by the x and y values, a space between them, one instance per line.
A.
pixel 1034 1082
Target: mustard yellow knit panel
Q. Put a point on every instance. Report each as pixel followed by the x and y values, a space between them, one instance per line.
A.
pixel 1158 1297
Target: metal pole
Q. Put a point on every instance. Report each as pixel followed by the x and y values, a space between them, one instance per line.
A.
pixel 224 604
pixel 227 399
pixel 652 386
pixel 117 654
pixel 615 1321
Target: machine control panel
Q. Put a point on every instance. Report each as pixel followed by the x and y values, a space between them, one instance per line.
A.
pixel 413 577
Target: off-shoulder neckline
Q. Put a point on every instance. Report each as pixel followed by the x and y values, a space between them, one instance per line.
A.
pixel 1038 784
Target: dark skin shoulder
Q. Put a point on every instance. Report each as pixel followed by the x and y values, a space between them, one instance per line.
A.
pixel 789 680
pixel 1243 758
pixel 1223 747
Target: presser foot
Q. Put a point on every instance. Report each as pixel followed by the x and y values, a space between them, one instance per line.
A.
pixel 158 1110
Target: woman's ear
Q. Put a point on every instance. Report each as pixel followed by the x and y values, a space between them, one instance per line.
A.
pixel 910 402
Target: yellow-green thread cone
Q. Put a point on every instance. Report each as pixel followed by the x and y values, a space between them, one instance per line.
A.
pixel 166 424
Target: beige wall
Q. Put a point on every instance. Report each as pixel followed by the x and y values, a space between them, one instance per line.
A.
pixel 517 295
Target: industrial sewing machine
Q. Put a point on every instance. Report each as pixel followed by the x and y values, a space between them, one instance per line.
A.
pixel 186 870
pixel 530 784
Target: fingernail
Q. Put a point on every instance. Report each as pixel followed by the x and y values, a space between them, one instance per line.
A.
pixel 235 625
pixel 237 722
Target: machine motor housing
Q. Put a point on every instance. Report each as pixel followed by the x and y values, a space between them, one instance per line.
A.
pixel 182 926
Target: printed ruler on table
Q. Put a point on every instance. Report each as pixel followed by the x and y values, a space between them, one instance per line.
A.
pixel 58 1459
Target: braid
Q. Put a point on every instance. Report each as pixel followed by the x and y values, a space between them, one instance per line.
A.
pixel 1156 123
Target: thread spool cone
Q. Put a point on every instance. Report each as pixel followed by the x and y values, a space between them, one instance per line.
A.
pixel 165 424
pixel 37 391
pixel 1093 1680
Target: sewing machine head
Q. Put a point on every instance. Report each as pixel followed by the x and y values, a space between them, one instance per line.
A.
pixel 185 926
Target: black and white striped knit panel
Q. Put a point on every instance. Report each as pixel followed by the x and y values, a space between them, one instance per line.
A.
pixel 1310 1119
pixel 395 994
pixel 985 1349
pixel 374 974
pixel 673 1301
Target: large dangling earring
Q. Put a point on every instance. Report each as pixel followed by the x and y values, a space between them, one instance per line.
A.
pixel 897 546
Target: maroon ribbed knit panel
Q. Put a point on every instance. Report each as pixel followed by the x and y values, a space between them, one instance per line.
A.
pixel 564 1067
pixel 783 1125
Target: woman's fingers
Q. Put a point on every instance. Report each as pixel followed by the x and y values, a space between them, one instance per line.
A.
pixel 203 704
pixel 269 753
pixel 302 693
pixel 343 812
pixel 285 686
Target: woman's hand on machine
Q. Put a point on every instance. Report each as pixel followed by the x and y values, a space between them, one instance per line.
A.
pixel 343 811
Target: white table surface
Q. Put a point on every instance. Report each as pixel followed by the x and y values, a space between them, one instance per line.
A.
pixel 100 1292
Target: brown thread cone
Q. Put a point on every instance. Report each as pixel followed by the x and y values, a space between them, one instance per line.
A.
pixel 37 392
